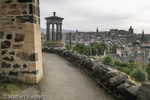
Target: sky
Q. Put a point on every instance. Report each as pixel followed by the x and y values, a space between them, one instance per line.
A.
pixel 87 15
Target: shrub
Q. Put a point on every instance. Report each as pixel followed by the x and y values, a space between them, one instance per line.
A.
pixel 108 60
pixel 69 46
pixel 147 69
pixel 118 62
pixel 139 75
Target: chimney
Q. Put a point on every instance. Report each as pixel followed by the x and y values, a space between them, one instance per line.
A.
pixel 54 13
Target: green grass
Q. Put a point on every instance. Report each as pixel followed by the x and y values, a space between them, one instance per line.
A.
pixel 7 89
pixel 54 44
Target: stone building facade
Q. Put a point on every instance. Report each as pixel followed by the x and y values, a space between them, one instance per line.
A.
pixel 20 40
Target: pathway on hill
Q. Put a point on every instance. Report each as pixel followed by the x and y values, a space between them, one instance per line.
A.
pixel 63 81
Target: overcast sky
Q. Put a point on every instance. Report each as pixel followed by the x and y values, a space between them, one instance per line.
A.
pixel 86 15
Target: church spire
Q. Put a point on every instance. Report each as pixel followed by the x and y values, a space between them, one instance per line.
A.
pixel 143 36
pixel 97 29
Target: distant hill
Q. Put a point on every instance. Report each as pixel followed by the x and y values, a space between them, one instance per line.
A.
pixel 43 30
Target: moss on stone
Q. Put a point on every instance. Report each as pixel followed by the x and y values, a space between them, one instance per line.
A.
pixel 7 89
pixel 54 44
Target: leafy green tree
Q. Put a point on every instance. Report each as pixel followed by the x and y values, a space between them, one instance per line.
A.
pixel 133 66
pixel 114 49
pixel 104 45
pixel 126 70
pixel 118 62
pixel 139 75
pixel 131 60
pixel 147 69
pixel 108 60
pixel 68 46
pixel 94 50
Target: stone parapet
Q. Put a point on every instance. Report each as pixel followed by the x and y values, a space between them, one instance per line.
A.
pixel 114 82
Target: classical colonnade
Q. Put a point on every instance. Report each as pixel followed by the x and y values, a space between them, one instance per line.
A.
pixel 54 34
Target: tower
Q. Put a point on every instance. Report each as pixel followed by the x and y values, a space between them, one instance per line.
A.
pixel 20 40
pixel 97 30
pixel 143 36
pixel 131 30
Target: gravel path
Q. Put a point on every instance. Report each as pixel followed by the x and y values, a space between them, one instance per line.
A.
pixel 63 81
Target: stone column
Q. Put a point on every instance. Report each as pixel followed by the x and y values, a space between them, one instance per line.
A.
pixel 60 32
pixel 48 32
pixel 57 32
pixel 53 34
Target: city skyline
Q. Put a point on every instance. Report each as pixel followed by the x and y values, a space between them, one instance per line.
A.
pixel 88 15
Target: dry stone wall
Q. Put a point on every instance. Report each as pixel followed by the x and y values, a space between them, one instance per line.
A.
pixel 20 40
pixel 116 83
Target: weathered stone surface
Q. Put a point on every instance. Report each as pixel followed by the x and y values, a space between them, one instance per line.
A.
pixel 122 88
pixel 16 66
pixel 24 66
pixel 143 92
pixel 9 59
pixel 24 1
pixel 131 93
pixel 12 53
pixel 15 12
pixel 33 57
pixel 26 18
pixel 27 57
pixel 1 34
pixel 9 1
pixel 117 80
pixel 32 9
pixel 13 73
pixel 5 44
pixel 19 37
pixel 3 52
pixel 13 6
pixel 5 65
pixel 19 46
pixel 9 36
pixel 27 72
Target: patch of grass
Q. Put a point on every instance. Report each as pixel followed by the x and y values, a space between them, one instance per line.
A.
pixel 54 44
pixel 6 89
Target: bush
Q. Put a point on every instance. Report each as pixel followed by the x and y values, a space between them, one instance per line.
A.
pixel 54 44
pixel 118 62
pixel 139 75
pixel 93 57
pixel 108 60
pixel 147 69
pixel 69 46
pixel 126 70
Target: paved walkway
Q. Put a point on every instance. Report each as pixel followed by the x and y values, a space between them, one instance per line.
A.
pixel 66 82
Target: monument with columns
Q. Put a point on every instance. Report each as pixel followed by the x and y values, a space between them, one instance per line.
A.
pixel 51 22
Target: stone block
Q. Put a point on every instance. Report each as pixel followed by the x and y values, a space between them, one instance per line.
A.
pixel 5 44
pixel 5 65
pixel 19 37
pixel 31 79
pixel 17 46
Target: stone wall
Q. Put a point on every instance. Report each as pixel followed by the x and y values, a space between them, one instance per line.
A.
pixel 114 82
pixel 20 40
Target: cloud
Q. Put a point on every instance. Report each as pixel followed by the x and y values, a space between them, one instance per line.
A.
pixel 86 15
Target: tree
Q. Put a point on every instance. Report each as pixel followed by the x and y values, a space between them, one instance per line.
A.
pixel 131 60
pixel 94 50
pixel 114 49
pixel 139 75
pixel 68 46
pixel 108 60
pixel 133 66
pixel 147 69
pixel 118 62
